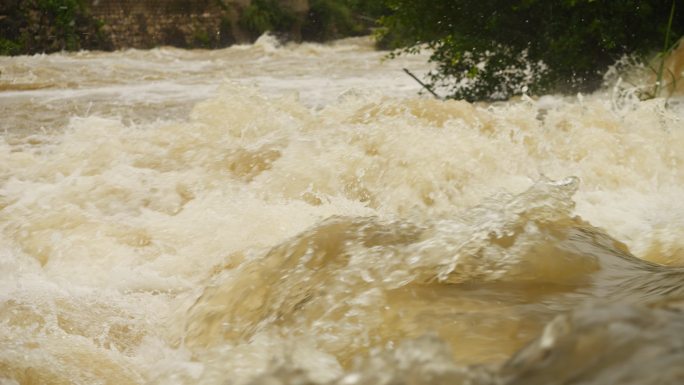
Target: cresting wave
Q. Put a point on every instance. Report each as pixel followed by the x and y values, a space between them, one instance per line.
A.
pixel 371 239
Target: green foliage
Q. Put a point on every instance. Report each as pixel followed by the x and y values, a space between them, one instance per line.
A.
pixel 369 9
pixel 9 47
pixel 326 19
pixel 31 26
pixel 62 14
pixel 266 15
pixel 201 39
pixel 330 19
pixel 491 50
pixel 334 19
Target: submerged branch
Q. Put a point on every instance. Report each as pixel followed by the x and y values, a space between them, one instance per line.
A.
pixel 423 84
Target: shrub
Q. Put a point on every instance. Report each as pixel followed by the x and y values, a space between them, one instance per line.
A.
pixel 492 50
pixel 332 19
pixel 266 15
pixel 9 47
pixel 33 26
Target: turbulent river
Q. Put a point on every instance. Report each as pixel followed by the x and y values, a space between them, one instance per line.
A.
pixel 297 214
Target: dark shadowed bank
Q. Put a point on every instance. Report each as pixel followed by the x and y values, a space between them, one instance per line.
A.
pixel 36 26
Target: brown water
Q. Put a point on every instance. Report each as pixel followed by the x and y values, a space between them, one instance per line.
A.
pixel 296 215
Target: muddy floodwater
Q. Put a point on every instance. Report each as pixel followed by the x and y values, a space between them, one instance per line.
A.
pixel 298 214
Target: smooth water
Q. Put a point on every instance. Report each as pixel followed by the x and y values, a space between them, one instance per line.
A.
pixel 297 215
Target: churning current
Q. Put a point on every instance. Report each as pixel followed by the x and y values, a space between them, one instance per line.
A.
pixel 297 214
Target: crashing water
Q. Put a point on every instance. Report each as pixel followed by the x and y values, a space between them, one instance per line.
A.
pixel 296 215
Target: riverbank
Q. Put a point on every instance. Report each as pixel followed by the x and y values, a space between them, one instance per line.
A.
pixel 44 26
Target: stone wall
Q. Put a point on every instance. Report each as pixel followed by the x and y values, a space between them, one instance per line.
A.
pixel 145 24
pixel 181 23
pixel 34 26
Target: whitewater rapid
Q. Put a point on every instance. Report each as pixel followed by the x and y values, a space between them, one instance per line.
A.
pixel 297 214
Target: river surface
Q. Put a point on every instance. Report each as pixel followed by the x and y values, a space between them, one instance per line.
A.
pixel 297 214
